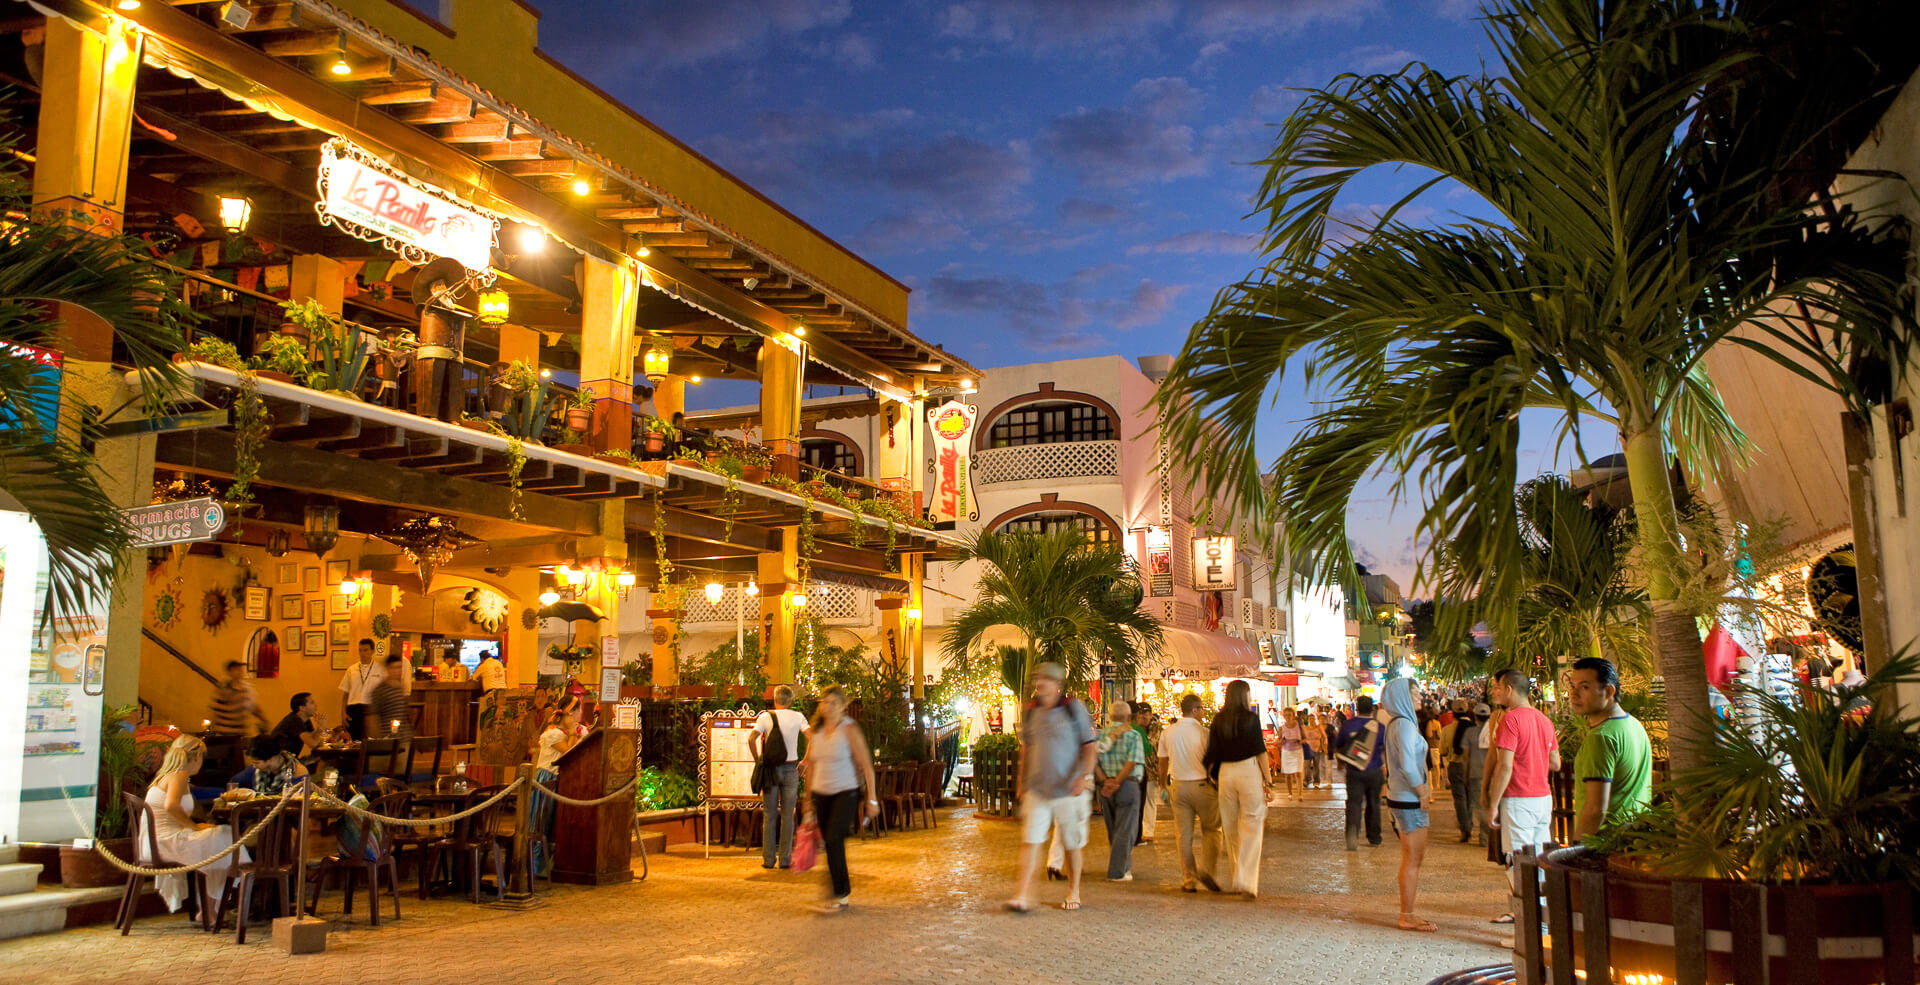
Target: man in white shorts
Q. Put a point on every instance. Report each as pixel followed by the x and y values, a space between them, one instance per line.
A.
pixel 1525 752
pixel 1056 770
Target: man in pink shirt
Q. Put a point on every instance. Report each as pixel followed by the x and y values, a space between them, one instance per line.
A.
pixel 1525 752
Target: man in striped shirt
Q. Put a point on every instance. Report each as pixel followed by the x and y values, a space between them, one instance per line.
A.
pixel 233 701
pixel 391 717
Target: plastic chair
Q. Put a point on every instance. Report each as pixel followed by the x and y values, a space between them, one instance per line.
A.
pixel 379 843
pixel 140 815
pixel 271 854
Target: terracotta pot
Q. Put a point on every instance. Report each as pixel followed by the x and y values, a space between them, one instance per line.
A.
pixel 297 331
pixel 693 691
pixel 474 425
pixel 580 418
pixel 84 868
pixel 654 442
pixel 753 473
pixel 273 374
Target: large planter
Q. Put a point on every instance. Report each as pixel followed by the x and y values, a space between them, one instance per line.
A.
pixel 995 782
pixel 84 868
pixel 580 418
pixel 1716 930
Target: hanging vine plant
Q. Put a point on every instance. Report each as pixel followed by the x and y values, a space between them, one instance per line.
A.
pixel 516 463
pixel 251 425
pixel 808 523
pixel 660 543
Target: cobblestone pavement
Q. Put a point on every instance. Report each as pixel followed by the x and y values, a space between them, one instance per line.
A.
pixel 927 909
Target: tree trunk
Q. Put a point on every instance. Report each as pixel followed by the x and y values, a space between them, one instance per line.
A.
pixel 1675 637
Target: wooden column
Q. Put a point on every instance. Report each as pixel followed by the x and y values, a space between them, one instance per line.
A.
pixel 606 350
pixel 86 120
pixel 518 342
pixel 779 576
pixel 320 278
pixel 782 370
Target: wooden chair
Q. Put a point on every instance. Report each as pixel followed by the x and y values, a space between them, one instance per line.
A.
pixel 140 815
pixel 927 791
pixel 425 750
pixel 893 798
pixel 474 836
pixel 378 758
pixel 376 854
pixel 271 857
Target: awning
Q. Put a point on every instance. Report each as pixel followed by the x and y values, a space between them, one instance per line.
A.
pixel 1343 683
pixel 1209 655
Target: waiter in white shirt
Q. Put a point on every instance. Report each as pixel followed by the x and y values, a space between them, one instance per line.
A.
pixel 1182 747
pixel 356 689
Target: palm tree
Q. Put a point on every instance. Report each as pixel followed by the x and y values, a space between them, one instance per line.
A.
pixel 1631 230
pixel 47 468
pixel 1581 598
pixel 1074 603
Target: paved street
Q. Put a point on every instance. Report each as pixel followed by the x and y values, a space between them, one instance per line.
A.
pixel 927 909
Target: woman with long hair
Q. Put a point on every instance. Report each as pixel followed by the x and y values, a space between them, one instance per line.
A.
pixel 180 840
pixel 837 764
pixel 1292 745
pixel 1236 758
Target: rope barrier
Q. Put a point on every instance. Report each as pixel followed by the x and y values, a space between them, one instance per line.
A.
pixel 238 843
pixel 420 822
pixel 625 791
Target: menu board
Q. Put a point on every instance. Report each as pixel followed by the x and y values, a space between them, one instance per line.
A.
pixel 726 758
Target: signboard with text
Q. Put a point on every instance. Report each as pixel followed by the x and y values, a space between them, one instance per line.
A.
pixel 1213 566
pixel 184 522
pixel 363 197
pixel 726 758
pixel 952 424
pixel 1159 562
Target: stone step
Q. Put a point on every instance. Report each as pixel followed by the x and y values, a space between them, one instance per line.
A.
pixel 18 878
pixel 44 911
pixel 9 853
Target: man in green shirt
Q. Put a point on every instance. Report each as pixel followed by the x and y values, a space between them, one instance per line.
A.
pixel 1613 772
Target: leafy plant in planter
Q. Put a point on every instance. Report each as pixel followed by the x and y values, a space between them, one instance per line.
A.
pixel 723 667
pixel 251 426
pixel 620 455
pixel 656 432
pixel 528 404
pixel 580 409
pixel 344 356
pixel 119 763
pixel 216 351
pixel 307 318
pixel 516 464
pixel 287 356
pixel 663 790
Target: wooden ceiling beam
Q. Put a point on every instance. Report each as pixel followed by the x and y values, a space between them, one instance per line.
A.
pixel 400 93
pixel 307 43
pixel 443 109
pixel 562 167
pixel 477 131
pixel 512 150
pixel 615 213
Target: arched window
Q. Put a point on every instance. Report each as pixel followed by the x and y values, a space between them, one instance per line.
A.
pixel 1091 527
pixel 830 455
pixel 1046 423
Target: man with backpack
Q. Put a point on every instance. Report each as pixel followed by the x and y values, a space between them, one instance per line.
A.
pixel 775 744
pixel 1359 748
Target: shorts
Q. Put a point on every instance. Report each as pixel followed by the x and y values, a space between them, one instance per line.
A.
pixel 1525 821
pixel 1039 813
pixel 1406 819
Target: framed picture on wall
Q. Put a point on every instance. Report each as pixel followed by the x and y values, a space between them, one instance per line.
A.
pixel 339 660
pixel 313 643
pixel 291 640
pixel 310 580
pixel 316 612
pixel 289 573
pixel 340 631
pixel 256 607
pixel 338 603
pixel 336 572
pixel 291 607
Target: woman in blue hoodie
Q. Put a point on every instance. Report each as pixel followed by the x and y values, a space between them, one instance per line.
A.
pixel 1408 795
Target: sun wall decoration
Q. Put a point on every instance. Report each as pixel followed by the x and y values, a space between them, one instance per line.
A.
pixel 486 609
pixel 167 604
pixel 213 608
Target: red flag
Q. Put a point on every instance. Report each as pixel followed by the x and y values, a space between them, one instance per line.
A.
pixel 1723 655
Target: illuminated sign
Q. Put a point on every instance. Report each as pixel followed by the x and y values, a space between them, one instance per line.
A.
pixel 1160 562
pixel 952 424
pixel 1213 567
pixel 183 522
pixel 364 198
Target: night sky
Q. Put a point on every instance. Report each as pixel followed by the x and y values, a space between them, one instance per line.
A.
pixel 1052 178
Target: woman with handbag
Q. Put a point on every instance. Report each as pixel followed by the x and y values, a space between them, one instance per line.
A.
pixel 1236 758
pixel 836 765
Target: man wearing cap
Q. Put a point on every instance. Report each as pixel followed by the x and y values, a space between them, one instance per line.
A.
pixel 1057 749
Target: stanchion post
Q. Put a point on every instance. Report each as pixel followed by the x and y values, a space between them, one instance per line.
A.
pixel 300 934
pixel 519 886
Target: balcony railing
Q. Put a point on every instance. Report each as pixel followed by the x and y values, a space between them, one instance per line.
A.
pixel 1059 460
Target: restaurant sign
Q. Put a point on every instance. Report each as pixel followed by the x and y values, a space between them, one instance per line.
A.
pixel 366 198
pixel 1160 562
pixel 1213 567
pixel 952 424
pixel 184 522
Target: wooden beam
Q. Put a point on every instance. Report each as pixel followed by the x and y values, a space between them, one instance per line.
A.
pixel 549 167
pixel 512 150
pixel 476 132
pixel 399 93
pixel 211 146
pixel 307 43
pixel 323 473
pixel 443 109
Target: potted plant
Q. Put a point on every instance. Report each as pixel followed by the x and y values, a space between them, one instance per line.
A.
pixel 304 318
pixel 214 351
pixel 344 356
pixel 528 405
pixel 120 767
pixel 618 456
pixel 656 432
pixel 1780 814
pixel 580 410
pixel 283 358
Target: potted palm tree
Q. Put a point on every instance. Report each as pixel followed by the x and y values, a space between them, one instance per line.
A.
pixel 120 767
pixel 580 410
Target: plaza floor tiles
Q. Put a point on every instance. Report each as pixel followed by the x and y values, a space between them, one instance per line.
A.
pixel 927 909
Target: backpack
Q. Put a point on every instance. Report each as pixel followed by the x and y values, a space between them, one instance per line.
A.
pixel 774 752
pixel 1358 751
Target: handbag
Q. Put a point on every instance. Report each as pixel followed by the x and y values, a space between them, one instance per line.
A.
pixel 806 845
pixel 1359 752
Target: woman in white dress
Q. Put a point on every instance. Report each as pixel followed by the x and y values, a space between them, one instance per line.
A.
pixel 180 840
pixel 1292 750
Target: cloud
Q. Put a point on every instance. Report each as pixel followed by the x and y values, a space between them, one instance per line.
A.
pixel 1084 212
pixel 951 170
pixel 1371 59
pixel 1099 272
pixel 1054 317
pixel 1138 143
pixel 910 232
pixel 1272 101
pixel 1148 304
pixel 677 33
pixel 1240 18
pixel 1459 10
pixel 793 128
pixel 1199 241
pixel 1041 25
pixel 1210 52
pixel 855 51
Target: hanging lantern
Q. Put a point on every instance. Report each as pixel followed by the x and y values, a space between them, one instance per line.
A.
pixel 322 528
pixel 235 210
pixel 493 307
pixel 427 542
pixel 656 362
pixel 278 543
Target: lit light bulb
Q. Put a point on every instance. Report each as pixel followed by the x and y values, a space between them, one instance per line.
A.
pixel 695 380
pixel 531 240
pixel 799 600
pixel 913 613
pixel 966 386
pixel 643 252
pixel 714 591
pixel 625 579
pixel 128 5
pixel 349 587
pixel 562 571
pixel 582 187
pixel 549 597
pixel 577 576
pixel 800 331
pixel 340 67
pixel 752 589
pixel 545 373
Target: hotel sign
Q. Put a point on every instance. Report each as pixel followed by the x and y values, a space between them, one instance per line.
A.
pixel 1213 567
pixel 952 424
pixel 183 522
pixel 365 198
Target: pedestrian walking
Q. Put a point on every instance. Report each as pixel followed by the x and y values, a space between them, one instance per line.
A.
pixel 1293 745
pixel 1148 723
pixel 1613 771
pixel 1236 759
pixel 1318 770
pixel 1360 749
pixel 1183 750
pixel 775 744
pixel 1457 741
pixel 1057 750
pixel 1119 766
pixel 837 766
pixel 235 707
pixel 1408 794
pixel 1524 752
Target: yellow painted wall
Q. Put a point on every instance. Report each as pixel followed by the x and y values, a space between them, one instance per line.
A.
pixel 493 45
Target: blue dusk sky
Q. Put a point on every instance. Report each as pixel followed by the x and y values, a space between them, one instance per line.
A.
pixel 1052 178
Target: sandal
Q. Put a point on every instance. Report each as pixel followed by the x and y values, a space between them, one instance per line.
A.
pixel 1417 924
pixel 1019 906
pixel 1502 918
pixel 1072 903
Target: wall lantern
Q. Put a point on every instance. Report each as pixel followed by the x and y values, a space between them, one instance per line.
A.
pixel 913 614
pixel 322 528
pixel 235 210
pixel 549 597
pixel 493 307
pixel 799 600
pixel 656 363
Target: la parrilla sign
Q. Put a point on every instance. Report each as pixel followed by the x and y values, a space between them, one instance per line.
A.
pixel 363 197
